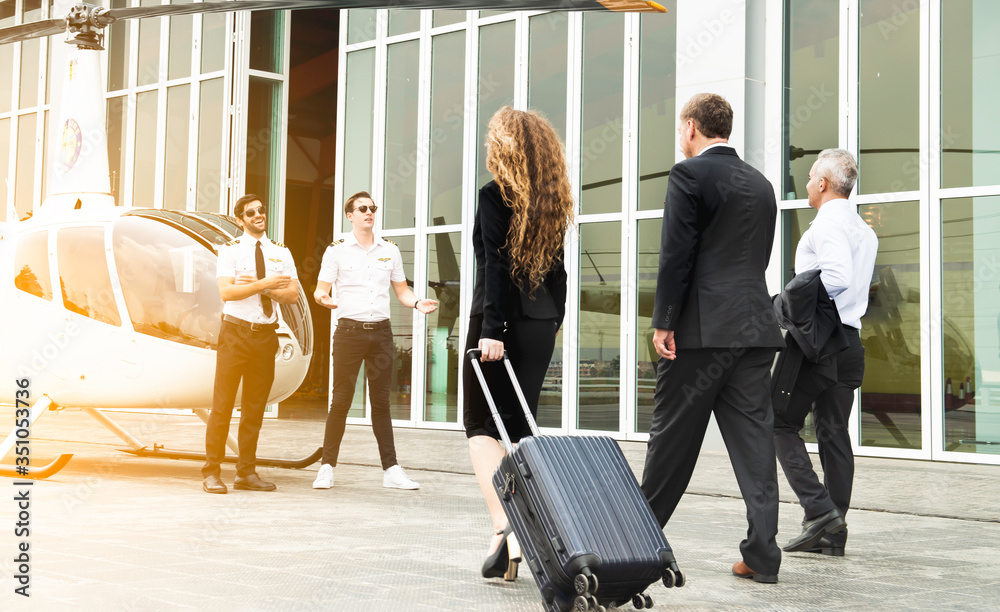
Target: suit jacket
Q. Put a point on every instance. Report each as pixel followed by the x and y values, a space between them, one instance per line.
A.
pixel 718 228
pixel 495 295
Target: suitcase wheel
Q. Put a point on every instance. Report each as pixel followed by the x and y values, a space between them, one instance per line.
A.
pixel 585 583
pixel 673 579
pixel 641 601
pixel 582 603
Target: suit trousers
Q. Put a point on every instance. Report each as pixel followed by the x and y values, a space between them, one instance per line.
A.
pixel 247 355
pixel 831 410
pixel 734 384
pixel 351 347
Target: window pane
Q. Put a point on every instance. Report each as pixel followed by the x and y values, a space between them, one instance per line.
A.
pixel 811 88
pixel 263 132
pixel 657 112
pixel 358 122
pixel 117 43
pixel 360 25
pixel 175 174
pixel 600 326
pixel 970 63
pixel 889 83
pixel 211 115
pixel 971 326
pixel 149 47
pixel 144 170
pixel 794 223
pixel 83 274
pixel 31 53
pixel 647 267
pixel 402 337
pixel 266 36
pixel 550 399
pixel 443 344
pixel 601 124
pixel 401 148
pixel 891 403
pixel 403 21
pixel 485 14
pixel 496 86
pixel 181 41
pixel 447 121
pixel 213 42
pixel 24 181
pixel 547 40
pixel 443 18
pixel 32 265
pixel 6 62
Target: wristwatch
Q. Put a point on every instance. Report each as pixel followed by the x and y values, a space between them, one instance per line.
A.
pixel 417 302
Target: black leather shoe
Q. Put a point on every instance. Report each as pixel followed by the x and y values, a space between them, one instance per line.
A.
pixel 814 529
pixel 497 564
pixel 253 483
pixel 826 547
pixel 214 484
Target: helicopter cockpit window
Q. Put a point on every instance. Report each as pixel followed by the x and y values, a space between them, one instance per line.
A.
pixel 168 279
pixel 32 265
pixel 84 276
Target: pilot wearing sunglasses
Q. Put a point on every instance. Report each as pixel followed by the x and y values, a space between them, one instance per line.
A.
pixel 354 281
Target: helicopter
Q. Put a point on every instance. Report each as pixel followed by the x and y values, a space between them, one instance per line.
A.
pixel 109 306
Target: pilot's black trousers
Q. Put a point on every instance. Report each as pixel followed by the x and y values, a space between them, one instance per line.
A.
pixel 248 355
pixel 351 347
pixel 831 410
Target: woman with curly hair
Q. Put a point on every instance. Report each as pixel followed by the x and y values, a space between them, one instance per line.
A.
pixel 519 298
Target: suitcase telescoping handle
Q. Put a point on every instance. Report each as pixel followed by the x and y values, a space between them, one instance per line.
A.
pixel 474 356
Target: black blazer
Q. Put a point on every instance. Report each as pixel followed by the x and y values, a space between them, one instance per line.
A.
pixel 495 296
pixel 718 228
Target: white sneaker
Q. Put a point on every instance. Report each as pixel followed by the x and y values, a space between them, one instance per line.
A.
pixel 396 478
pixel 324 480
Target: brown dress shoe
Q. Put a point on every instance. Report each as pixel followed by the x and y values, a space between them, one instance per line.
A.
pixel 742 570
pixel 252 482
pixel 214 484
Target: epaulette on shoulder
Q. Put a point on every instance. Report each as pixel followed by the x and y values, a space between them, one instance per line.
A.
pixel 336 242
pixel 233 242
pixel 279 245
pixel 390 242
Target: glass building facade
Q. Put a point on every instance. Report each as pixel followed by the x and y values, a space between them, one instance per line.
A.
pixel 204 108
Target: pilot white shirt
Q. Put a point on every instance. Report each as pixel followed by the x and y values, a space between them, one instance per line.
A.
pixel 238 257
pixel 361 277
pixel 843 247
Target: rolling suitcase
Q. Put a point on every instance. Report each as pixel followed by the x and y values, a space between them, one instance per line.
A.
pixel 586 531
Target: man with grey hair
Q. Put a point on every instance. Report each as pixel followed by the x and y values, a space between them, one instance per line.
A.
pixel 842 247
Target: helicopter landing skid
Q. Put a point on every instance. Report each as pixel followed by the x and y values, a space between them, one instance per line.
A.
pixel 27 472
pixel 159 451
pixel 37 473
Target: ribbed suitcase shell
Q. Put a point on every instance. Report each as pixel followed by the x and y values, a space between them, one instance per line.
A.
pixel 575 503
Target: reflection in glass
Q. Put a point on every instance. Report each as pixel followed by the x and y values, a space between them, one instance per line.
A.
pixel 360 25
pixel 213 42
pixel 547 40
pixel 550 399
pixel 117 115
pixel 181 41
pixel 447 122
pixel 443 343
pixel 647 267
pixel 168 280
pixel 403 22
pixel 496 84
pixel 148 61
pixel 32 265
pixel 266 35
pixel 889 83
pixel 4 162
pixel 211 113
pixel 657 112
pixel 117 43
pixel 601 122
pixel 970 284
pixel 443 18
pixel 891 402
pixel 402 337
pixel 599 335
pixel 358 121
pixel 144 168
pixel 176 154
pixel 24 174
pixel 83 274
pixel 401 149
pixel 6 60
pixel 811 88
pixel 794 223
pixel 263 134
pixel 31 52
pixel 970 63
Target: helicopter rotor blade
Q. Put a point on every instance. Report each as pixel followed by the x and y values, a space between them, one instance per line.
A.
pixel 36 29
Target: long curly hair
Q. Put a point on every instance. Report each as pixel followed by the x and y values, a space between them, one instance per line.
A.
pixel 526 159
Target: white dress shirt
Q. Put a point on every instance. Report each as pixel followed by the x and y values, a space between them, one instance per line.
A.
pixel 843 247
pixel 361 277
pixel 239 257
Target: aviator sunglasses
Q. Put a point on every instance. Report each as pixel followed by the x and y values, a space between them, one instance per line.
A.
pixel 253 212
pixel 364 208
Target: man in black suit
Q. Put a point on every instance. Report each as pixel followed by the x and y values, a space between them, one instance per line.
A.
pixel 715 329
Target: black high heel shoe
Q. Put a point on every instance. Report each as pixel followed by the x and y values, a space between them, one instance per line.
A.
pixel 497 564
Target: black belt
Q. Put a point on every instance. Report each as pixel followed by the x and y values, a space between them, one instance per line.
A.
pixel 352 324
pixel 257 327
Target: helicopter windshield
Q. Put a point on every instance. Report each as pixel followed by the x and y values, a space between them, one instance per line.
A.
pixel 168 280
